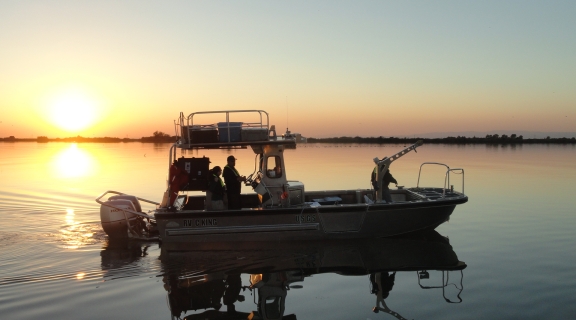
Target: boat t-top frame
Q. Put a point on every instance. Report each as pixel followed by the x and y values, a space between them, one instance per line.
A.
pixel 225 133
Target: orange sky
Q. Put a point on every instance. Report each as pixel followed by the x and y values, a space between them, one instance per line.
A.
pixel 323 69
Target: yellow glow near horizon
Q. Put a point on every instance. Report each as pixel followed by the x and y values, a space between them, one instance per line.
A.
pixel 72 109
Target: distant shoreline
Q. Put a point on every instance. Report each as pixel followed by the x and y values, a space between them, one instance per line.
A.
pixel 88 140
pixel 489 139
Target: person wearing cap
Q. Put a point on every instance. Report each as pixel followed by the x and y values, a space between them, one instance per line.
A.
pixel 233 181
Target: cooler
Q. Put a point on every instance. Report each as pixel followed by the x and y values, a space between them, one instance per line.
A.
pixel 204 135
pixel 254 134
pixel 234 128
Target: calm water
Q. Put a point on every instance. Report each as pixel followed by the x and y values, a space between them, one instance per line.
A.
pixel 516 234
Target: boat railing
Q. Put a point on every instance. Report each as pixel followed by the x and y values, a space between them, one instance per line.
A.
pixel 446 177
pixel 191 130
pixel 125 210
pixel 445 283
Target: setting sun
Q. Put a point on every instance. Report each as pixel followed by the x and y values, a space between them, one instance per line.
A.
pixel 72 110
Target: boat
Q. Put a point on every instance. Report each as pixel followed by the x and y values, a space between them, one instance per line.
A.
pixel 294 135
pixel 208 283
pixel 278 209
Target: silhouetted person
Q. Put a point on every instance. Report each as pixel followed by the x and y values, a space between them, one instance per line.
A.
pixel 178 180
pixel 217 189
pixel 233 181
pixel 385 182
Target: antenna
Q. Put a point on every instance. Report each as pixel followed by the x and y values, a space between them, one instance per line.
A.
pixel 286 113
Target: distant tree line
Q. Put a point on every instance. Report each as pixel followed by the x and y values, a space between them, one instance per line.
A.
pixel 489 139
pixel 161 137
pixel 157 137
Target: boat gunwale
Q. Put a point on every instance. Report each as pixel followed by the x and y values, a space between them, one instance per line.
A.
pixel 361 207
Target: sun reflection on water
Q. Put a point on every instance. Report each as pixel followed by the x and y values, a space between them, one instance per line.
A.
pixel 75 234
pixel 73 163
pixel 70 217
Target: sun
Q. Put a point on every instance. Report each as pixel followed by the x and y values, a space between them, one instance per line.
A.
pixel 72 109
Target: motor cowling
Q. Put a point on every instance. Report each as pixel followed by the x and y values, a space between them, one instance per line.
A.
pixel 132 199
pixel 113 216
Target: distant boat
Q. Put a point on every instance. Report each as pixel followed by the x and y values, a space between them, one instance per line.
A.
pixel 296 136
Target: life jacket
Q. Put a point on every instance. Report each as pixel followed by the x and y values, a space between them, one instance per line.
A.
pixel 233 170
pixel 178 178
pixel 219 179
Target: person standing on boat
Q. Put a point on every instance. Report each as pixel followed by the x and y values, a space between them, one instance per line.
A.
pixel 178 180
pixel 385 182
pixel 217 189
pixel 233 181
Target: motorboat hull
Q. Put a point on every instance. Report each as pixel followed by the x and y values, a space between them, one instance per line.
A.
pixel 345 221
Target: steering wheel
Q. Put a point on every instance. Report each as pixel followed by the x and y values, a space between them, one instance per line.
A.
pixel 249 179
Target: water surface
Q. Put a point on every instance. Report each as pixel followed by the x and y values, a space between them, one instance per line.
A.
pixel 516 235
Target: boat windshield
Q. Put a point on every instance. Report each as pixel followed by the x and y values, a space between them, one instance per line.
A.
pixel 274 167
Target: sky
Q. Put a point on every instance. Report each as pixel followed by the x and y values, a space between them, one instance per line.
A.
pixel 321 68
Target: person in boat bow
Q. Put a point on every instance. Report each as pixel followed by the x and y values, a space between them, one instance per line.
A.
pixel 233 181
pixel 385 182
pixel 217 188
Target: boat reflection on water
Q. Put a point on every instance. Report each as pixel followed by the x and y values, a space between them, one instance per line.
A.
pixel 122 258
pixel 382 283
pixel 202 281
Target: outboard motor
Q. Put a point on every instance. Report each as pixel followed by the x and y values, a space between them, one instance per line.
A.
pixel 132 199
pixel 113 217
